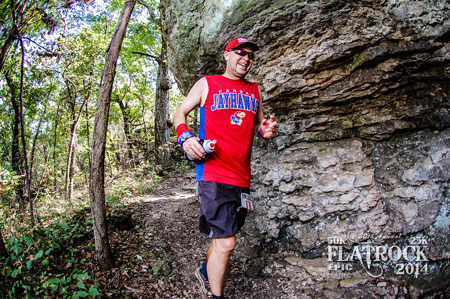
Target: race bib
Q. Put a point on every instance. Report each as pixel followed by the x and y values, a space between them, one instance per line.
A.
pixel 246 202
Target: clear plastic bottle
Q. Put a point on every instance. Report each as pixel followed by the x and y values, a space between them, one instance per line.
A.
pixel 208 146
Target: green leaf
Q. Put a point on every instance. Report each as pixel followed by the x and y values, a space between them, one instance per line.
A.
pixel 83 294
pixel 54 286
pixel 54 281
pixel 64 290
pixel 45 262
pixel 83 276
pixel 63 225
pixel 93 291
pixel 38 255
pixel 6 271
pixel 29 263
pixel 81 285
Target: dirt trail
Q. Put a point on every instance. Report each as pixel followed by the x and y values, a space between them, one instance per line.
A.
pixel 166 225
pixel 158 255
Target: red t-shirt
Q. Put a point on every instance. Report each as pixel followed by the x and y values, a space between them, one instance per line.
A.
pixel 229 116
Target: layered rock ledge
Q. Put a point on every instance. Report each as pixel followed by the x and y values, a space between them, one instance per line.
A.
pixel 361 90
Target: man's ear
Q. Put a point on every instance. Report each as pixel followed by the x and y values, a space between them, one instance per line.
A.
pixel 225 55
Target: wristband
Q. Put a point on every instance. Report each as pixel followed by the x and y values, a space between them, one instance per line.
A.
pixel 261 133
pixel 184 133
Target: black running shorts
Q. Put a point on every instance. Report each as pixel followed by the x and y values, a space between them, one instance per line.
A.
pixel 219 202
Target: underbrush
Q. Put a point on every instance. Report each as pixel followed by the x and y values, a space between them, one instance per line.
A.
pixel 44 262
pixel 55 258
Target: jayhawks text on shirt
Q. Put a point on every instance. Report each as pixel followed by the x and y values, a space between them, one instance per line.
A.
pixel 234 100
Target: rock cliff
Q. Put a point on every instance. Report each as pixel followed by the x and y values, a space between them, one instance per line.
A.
pixel 361 90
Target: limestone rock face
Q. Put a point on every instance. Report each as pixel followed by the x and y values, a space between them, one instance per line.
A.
pixel 361 91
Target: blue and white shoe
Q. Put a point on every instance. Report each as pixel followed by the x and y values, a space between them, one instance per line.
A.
pixel 204 283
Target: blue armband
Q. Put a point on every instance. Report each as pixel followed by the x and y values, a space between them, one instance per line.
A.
pixel 185 136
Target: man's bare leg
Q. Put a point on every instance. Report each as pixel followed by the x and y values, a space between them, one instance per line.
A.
pixel 217 260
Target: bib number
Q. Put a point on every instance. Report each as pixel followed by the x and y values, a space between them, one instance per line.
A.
pixel 246 202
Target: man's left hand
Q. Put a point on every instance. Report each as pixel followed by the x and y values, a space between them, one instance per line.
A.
pixel 269 127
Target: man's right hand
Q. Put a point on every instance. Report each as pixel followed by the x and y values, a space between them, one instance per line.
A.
pixel 194 149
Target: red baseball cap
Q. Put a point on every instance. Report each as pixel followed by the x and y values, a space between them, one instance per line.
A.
pixel 239 42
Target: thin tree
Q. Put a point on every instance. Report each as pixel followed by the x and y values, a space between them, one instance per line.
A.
pixel 33 149
pixel 97 179
pixel 24 146
pixel 126 127
pixel 15 142
pixel 55 140
pixel 3 251
pixel 70 170
pixel 162 114
pixel 146 130
pixel 18 15
pixel 87 138
pixel 70 165
pixel 163 120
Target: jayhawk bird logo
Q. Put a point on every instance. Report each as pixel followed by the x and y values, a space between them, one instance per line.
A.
pixel 236 118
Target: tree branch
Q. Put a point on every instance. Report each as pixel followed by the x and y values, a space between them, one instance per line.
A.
pixel 151 12
pixel 27 38
pixel 149 55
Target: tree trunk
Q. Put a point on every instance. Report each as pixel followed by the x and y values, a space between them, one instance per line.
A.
pixel 36 136
pixel 15 142
pixel 54 147
pixel 147 133
pixel 3 252
pixel 22 123
pixel 71 155
pixel 126 128
pixel 18 15
pixel 162 110
pixel 70 167
pixel 73 126
pixel 97 180
pixel 12 37
pixel 88 141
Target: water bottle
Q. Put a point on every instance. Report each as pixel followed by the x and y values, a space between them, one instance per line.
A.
pixel 208 146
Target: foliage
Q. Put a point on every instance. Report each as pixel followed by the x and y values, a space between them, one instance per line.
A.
pixel 42 250
pixel 8 181
pixel 63 65
pixel 52 259
pixel 65 44
pixel 132 183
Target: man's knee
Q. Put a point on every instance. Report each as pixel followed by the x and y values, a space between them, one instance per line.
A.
pixel 226 245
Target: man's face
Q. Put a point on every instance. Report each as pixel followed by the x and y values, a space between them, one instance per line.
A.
pixel 237 65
